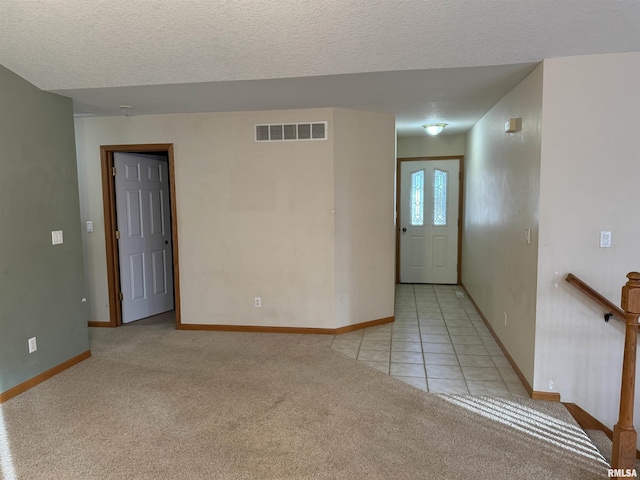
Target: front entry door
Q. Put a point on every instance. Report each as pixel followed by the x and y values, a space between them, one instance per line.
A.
pixel 145 247
pixel 429 221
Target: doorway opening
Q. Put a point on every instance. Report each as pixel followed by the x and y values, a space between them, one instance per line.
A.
pixel 429 212
pixel 151 280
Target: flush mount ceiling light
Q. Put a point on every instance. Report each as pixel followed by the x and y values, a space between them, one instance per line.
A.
pixel 434 128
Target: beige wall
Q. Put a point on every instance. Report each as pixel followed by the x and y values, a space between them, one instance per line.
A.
pixel 590 175
pixel 428 146
pixel 501 201
pixel 254 219
pixel 364 175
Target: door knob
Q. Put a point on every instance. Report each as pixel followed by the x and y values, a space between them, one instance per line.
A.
pixel 404 229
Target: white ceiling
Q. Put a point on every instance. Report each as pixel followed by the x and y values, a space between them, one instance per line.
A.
pixel 424 60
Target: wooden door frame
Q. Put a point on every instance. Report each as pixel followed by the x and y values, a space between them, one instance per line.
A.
pixel 460 206
pixel 110 226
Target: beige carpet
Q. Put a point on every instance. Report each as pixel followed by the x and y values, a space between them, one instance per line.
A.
pixel 604 445
pixel 156 403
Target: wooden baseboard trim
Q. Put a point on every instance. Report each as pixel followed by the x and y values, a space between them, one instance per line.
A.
pixel 359 326
pixel 588 422
pixel 255 329
pixel 24 386
pixel 100 324
pixel 298 330
pixel 548 396
pixel 521 376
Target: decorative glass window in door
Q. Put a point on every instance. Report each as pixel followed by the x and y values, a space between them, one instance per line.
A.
pixel 417 198
pixel 439 198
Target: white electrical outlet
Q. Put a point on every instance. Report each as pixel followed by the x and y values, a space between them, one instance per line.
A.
pixel 89 226
pixel 33 346
pixel 257 302
pixel 605 239
pixel 550 384
pixel 505 319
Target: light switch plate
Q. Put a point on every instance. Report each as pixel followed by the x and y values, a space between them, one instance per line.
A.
pixel 89 226
pixel 56 237
pixel 605 239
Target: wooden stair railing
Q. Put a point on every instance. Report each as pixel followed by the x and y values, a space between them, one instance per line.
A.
pixel 611 308
pixel 624 434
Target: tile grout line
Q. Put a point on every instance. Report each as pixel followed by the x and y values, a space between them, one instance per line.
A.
pixel 424 366
pixel 490 356
pixel 455 352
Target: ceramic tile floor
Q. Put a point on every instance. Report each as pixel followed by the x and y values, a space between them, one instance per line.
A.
pixel 438 343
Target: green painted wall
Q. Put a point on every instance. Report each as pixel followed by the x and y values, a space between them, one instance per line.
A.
pixel 41 287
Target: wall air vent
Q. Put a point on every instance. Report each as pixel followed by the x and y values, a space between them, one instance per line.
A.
pixel 288 132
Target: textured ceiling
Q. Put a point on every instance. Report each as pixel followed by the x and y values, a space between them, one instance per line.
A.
pixel 80 48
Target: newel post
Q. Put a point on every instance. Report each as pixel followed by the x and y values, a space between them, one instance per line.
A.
pixel 624 435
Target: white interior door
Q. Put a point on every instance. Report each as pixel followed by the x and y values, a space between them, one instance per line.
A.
pixel 429 221
pixel 145 246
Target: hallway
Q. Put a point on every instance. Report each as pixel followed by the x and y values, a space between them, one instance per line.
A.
pixel 438 343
